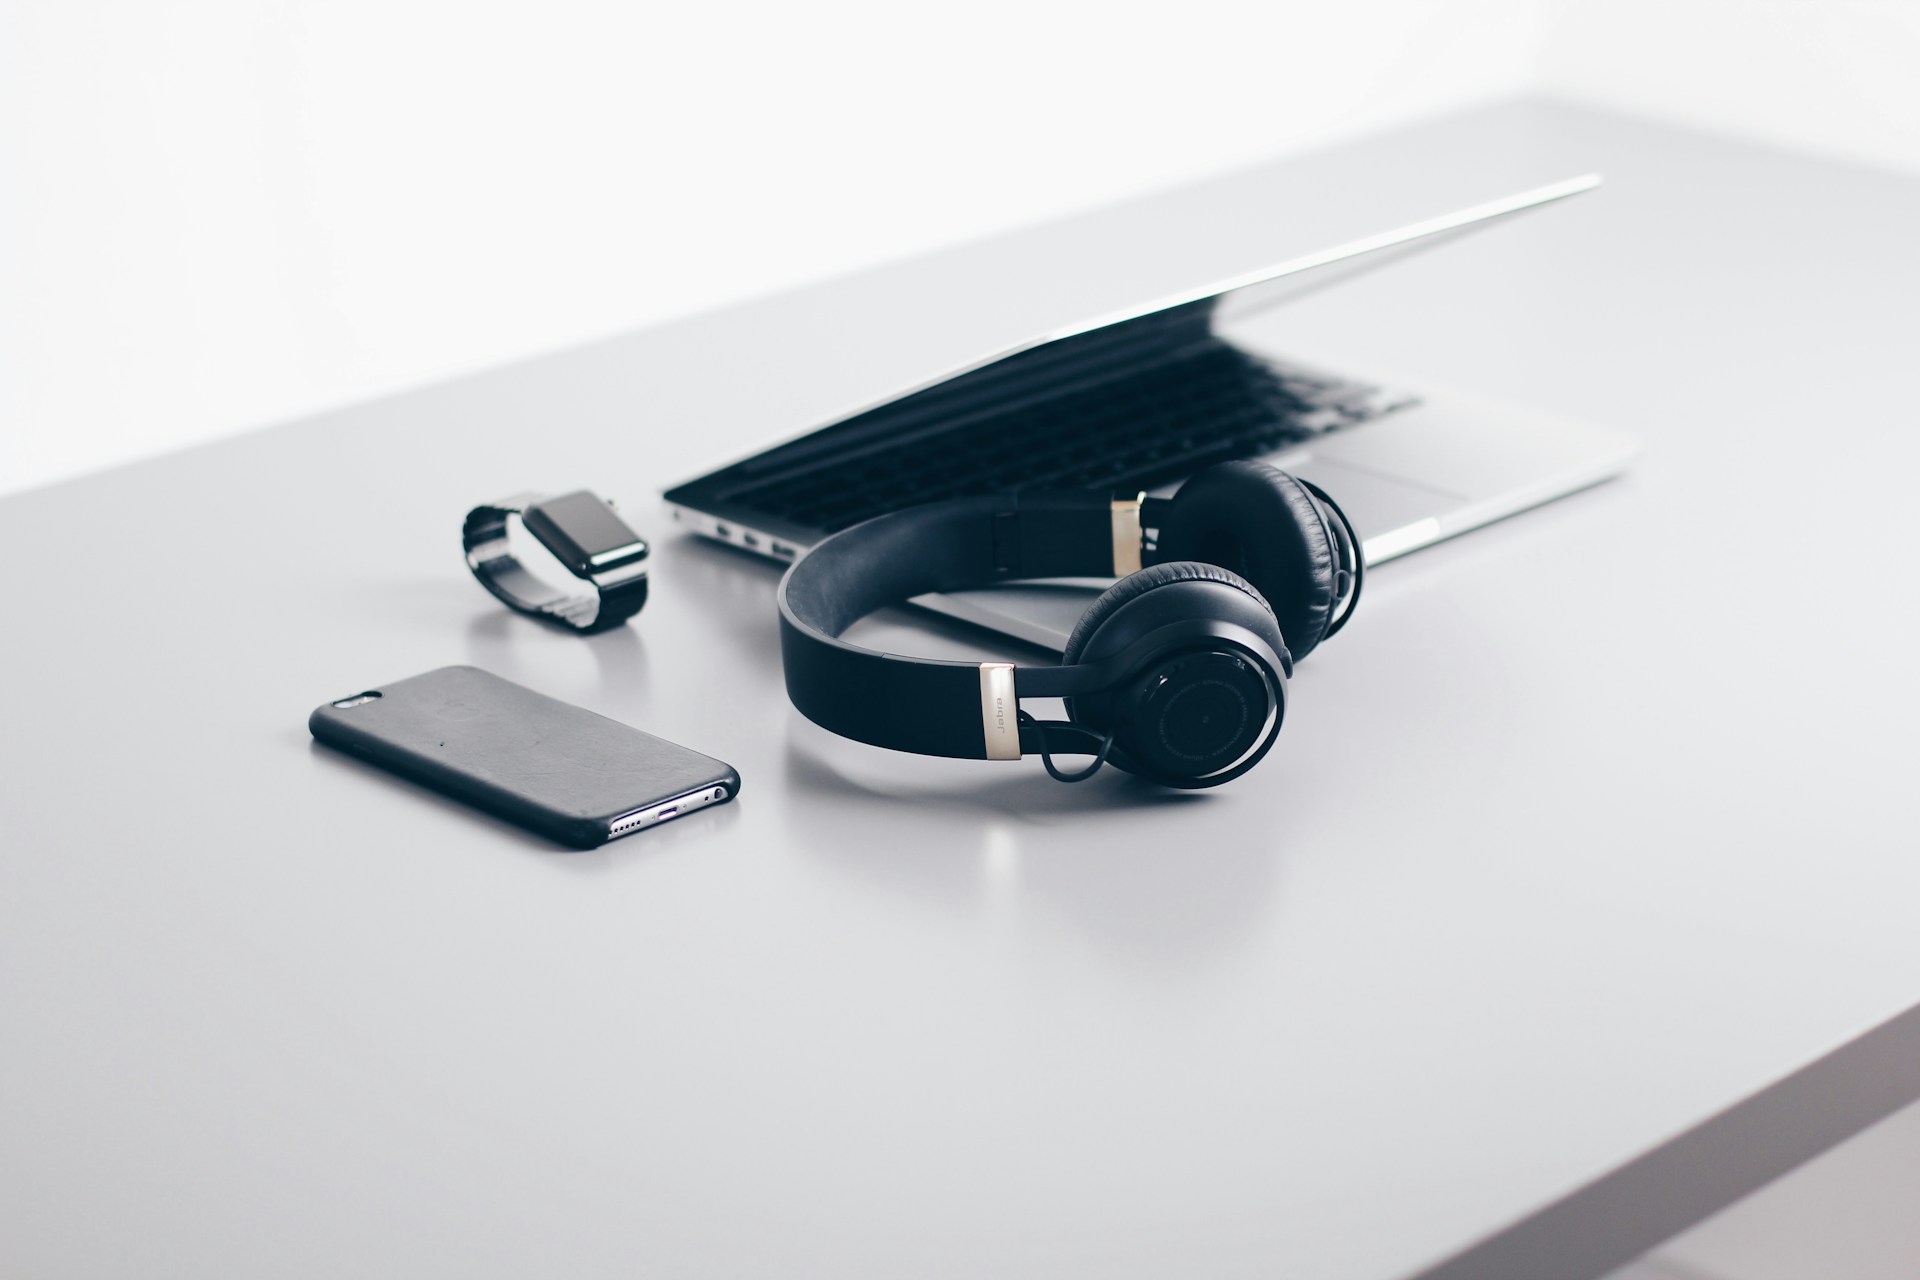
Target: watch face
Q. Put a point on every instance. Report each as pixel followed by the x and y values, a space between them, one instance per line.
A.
pixel 583 533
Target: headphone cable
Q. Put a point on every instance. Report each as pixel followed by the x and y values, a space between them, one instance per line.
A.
pixel 1054 771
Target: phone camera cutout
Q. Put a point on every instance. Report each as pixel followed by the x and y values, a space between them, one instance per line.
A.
pixel 358 698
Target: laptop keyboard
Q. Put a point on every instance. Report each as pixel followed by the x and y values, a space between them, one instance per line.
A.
pixel 1134 432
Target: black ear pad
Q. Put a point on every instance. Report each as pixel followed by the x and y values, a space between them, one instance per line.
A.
pixel 1138 584
pixel 1191 712
pixel 1264 525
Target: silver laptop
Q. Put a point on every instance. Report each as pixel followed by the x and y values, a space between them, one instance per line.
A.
pixel 1142 399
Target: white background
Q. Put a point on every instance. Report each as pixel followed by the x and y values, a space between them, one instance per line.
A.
pixel 218 214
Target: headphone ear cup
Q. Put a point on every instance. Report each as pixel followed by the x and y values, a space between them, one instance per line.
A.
pixel 1187 712
pixel 1264 525
pixel 1134 585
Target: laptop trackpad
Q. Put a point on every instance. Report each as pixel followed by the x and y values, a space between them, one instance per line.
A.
pixel 1375 503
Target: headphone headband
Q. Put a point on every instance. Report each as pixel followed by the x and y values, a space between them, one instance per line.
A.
pixel 971 710
pixel 930 705
pixel 927 705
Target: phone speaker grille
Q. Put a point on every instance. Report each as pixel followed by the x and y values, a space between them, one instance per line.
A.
pixel 654 815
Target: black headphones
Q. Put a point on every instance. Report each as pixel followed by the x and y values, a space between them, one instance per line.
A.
pixel 1177 673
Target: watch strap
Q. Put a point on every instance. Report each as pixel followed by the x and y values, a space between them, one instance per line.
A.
pixel 615 594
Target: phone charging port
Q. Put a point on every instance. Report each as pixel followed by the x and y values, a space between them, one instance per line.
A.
pixel 653 817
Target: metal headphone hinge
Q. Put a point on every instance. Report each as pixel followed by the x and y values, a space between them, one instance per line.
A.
pixel 1128 537
pixel 999 711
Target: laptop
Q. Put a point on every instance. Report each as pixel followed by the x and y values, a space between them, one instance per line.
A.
pixel 1140 400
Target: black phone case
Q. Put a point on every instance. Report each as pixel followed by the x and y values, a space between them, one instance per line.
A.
pixel 547 765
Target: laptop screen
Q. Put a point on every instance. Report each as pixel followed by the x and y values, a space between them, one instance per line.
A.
pixel 1118 400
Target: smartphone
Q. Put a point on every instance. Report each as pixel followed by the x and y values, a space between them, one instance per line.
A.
pixel 547 765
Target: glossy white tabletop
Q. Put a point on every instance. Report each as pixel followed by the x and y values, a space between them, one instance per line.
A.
pixel 1577 898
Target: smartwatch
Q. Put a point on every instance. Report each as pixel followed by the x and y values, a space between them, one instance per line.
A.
pixel 585 535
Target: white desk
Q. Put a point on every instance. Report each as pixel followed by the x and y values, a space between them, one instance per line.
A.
pixel 1577 898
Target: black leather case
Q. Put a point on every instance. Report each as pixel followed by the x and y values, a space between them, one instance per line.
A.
pixel 554 768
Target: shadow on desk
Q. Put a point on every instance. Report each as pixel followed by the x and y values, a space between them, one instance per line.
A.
pixel 501 642
pixel 591 860
pixel 1031 795
pixel 733 590
pixel 1144 885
